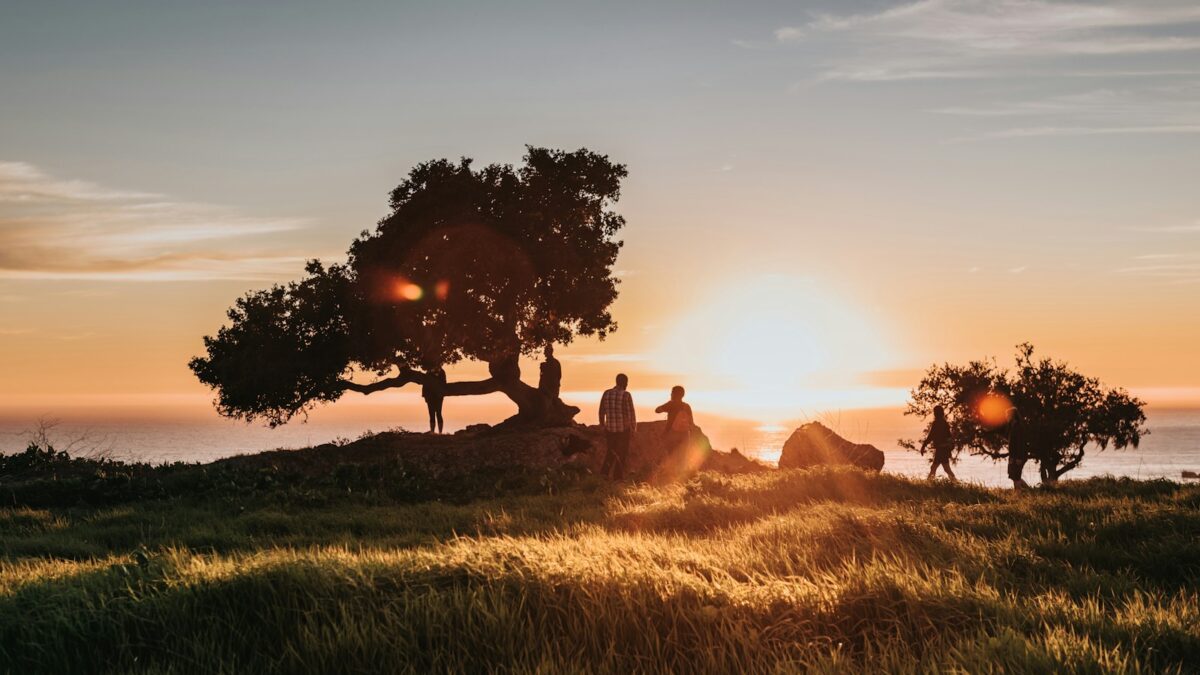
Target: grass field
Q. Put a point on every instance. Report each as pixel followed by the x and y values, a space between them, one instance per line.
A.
pixel 826 571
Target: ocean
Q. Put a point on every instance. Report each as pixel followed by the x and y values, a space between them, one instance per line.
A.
pixel 195 434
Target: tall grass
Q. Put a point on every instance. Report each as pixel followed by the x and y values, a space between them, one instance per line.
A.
pixel 826 571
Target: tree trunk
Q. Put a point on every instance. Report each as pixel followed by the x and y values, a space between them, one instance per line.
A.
pixel 534 407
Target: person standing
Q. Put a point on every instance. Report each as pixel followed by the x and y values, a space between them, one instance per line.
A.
pixel 550 380
pixel 619 422
pixel 433 390
pixel 939 437
pixel 1018 450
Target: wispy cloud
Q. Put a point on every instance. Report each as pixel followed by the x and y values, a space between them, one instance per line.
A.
pixel 1102 112
pixel 69 229
pixel 1183 272
pixel 1144 51
pixel 972 38
pixel 1035 132
pixel 1181 267
pixel 1172 229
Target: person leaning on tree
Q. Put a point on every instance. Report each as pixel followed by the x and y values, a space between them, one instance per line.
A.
pixel 550 375
pixel 619 422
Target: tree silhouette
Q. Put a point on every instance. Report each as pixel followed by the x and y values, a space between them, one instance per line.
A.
pixel 482 265
pixel 1062 410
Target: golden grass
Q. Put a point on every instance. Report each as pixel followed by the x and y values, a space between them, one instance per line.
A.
pixel 818 571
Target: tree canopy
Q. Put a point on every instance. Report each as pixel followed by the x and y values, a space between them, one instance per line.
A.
pixel 470 264
pixel 1063 412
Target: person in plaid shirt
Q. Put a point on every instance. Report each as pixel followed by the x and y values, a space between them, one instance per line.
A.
pixel 618 421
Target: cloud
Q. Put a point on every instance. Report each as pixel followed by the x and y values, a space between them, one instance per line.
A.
pixel 1170 229
pixel 1101 112
pixel 1175 229
pixel 1174 271
pixel 788 33
pixel 1035 132
pixel 1176 268
pixel 70 229
pixel 971 38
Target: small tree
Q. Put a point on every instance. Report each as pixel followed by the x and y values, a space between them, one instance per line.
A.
pixel 1063 411
pixel 480 265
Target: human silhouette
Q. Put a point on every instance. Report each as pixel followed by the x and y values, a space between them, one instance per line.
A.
pixel 550 380
pixel 939 438
pixel 679 417
pixel 619 422
pixel 1018 449
pixel 434 392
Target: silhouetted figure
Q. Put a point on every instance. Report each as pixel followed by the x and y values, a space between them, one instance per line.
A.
pixel 1018 449
pixel 550 381
pixel 939 438
pixel 679 417
pixel 434 392
pixel 619 421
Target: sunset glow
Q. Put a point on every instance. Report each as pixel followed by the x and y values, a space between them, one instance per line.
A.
pixel 815 226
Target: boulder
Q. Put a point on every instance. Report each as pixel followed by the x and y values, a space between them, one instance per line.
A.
pixel 815 444
pixel 653 458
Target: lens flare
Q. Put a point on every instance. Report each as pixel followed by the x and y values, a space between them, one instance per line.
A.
pixel 441 290
pixel 992 409
pixel 406 290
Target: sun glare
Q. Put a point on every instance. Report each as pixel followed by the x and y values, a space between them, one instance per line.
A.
pixel 992 409
pixel 776 341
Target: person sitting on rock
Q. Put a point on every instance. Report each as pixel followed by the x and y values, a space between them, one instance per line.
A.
pixel 550 381
pixel 680 459
pixel 434 393
pixel 943 444
pixel 679 416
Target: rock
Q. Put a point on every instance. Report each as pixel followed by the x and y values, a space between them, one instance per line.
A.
pixel 653 458
pixel 814 444
pixel 733 462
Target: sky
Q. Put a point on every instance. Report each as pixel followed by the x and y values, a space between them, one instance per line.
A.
pixel 823 198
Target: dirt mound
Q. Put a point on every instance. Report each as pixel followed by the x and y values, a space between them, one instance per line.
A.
pixel 814 444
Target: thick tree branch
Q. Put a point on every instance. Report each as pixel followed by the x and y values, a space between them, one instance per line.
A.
pixel 488 386
pixel 409 376
pixel 405 377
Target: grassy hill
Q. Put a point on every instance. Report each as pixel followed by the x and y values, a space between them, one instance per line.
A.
pixel 800 570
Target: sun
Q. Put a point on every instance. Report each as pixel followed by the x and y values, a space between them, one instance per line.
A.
pixel 775 340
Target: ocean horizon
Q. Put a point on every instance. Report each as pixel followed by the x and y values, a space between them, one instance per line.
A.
pixel 1171 447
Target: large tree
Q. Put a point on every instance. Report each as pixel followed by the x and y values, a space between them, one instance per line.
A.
pixel 484 265
pixel 1063 412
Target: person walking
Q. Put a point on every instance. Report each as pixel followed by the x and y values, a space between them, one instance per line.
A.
pixel 939 437
pixel 433 390
pixel 1018 449
pixel 550 379
pixel 619 422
